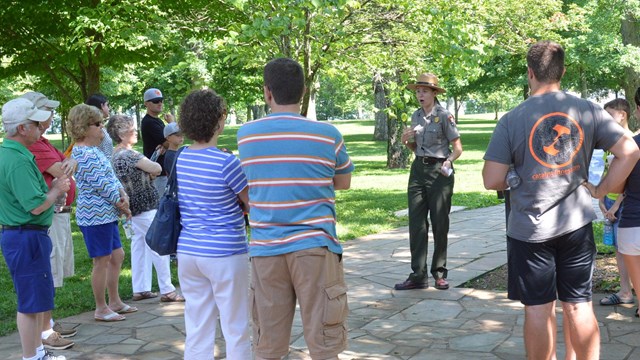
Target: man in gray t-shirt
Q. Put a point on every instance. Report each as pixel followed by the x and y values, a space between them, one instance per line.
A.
pixel 549 139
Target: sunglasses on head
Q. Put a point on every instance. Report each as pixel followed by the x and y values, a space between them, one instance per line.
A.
pixel 156 101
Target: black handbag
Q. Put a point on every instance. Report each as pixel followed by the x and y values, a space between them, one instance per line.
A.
pixel 162 236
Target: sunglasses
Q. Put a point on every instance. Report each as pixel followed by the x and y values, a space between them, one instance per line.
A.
pixel 156 101
pixel 96 124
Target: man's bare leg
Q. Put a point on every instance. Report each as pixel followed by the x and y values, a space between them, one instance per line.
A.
pixel 29 326
pixel 540 331
pixel 583 330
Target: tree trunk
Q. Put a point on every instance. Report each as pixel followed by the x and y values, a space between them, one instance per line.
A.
pixel 630 30
pixel 456 108
pixel 306 63
pixel 258 111
pixel 584 85
pixel 381 131
pixel 93 80
pixel 311 106
pixel 63 130
pixel 249 112
pixel 397 153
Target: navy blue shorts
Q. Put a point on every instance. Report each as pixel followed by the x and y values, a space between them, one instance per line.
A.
pixel 101 240
pixel 27 255
pixel 560 268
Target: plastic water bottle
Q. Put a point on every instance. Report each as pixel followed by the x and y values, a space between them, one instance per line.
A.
pixel 513 179
pixel 127 227
pixel 446 171
pixel 61 201
pixel 607 239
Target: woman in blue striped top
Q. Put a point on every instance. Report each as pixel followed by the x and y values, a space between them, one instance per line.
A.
pixel 213 264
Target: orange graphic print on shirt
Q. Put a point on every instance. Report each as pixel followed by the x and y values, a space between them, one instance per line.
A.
pixel 555 139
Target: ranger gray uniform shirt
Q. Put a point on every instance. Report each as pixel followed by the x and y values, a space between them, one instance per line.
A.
pixel 550 139
pixel 438 130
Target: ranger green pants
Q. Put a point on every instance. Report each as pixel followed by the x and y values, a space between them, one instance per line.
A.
pixel 429 194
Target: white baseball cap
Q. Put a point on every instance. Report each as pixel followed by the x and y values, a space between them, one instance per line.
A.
pixel 19 110
pixel 40 100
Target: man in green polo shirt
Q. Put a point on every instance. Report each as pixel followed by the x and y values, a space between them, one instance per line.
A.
pixel 25 216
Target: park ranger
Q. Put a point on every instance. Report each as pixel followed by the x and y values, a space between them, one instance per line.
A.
pixel 435 140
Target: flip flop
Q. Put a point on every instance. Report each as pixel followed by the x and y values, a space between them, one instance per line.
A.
pixel 172 297
pixel 126 309
pixel 111 317
pixel 614 299
pixel 144 295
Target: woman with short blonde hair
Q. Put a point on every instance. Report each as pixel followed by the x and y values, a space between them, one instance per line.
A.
pixel 101 200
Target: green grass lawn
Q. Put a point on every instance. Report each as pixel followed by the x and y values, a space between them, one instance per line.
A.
pixel 366 208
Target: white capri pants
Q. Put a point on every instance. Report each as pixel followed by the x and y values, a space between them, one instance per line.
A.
pixel 142 258
pixel 215 287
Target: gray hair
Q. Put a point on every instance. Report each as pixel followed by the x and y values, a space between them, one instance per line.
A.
pixel 12 129
pixel 118 126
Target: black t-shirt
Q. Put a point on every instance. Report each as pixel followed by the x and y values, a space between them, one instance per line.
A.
pixel 152 135
pixel 631 203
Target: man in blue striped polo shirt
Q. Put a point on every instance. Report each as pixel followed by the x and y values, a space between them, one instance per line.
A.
pixel 294 165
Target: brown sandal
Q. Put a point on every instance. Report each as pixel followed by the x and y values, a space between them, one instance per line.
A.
pixel 143 295
pixel 172 297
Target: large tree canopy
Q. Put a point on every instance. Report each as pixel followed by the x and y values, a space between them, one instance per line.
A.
pixel 360 50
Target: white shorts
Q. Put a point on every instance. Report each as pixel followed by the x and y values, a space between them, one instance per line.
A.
pixel 629 240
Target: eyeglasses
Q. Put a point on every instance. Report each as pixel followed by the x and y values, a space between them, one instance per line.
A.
pixel 156 101
pixel 96 124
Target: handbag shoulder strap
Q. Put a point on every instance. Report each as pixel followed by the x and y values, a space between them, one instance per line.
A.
pixel 172 181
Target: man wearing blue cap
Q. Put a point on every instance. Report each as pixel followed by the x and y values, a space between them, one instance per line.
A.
pixel 153 135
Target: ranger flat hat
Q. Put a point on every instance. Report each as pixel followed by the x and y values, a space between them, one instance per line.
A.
pixel 427 80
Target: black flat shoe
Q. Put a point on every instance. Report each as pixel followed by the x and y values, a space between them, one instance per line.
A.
pixel 410 285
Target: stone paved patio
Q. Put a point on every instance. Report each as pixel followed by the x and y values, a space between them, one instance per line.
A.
pixel 384 323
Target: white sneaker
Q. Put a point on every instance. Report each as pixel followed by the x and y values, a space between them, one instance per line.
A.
pixel 48 355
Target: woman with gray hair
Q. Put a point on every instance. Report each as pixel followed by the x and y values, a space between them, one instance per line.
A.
pixel 136 174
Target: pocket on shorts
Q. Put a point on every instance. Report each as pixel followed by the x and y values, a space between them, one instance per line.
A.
pixel 336 307
pixel 335 337
pixel 254 317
